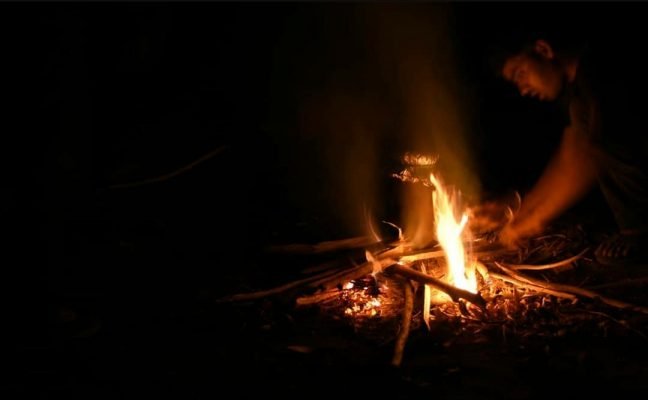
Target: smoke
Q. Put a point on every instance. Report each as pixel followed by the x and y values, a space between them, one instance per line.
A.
pixel 388 82
pixel 348 144
pixel 415 46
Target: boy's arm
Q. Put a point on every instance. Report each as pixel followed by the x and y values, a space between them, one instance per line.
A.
pixel 567 178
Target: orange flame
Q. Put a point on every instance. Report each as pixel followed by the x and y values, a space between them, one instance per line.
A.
pixel 449 231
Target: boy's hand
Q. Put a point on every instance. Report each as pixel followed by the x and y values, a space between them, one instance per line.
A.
pixel 492 215
pixel 510 237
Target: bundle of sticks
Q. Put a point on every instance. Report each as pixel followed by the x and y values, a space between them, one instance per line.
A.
pixel 398 260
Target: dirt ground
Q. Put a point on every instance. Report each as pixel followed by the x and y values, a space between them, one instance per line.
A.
pixel 161 333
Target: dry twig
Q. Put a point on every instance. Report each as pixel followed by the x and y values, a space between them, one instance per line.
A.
pixel 526 285
pixel 547 266
pixel 454 292
pixel 408 310
pixel 573 290
pixel 324 247
pixel 171 174
pixel 274 291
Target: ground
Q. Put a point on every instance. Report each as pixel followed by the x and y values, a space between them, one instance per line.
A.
pixel 114 292
pixel 153 327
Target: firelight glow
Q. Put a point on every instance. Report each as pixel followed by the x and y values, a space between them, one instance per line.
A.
pixel 449 231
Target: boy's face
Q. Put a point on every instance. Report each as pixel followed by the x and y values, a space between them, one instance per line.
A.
pixel 535 73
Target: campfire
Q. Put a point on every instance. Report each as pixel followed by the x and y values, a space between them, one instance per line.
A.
pixel 461 278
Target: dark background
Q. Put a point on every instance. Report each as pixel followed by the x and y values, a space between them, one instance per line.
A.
pixel 105 93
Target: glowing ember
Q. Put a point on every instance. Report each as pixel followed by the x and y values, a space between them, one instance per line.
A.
pixel 419 159
pixel 449 234
pixel 364 298
pixel 377 266
pixel 427 297
pixel 369 308
pixel 417 167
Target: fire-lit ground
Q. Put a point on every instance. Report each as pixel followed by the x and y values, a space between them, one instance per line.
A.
pixel 524 344
pixel 130 277
pixel 161 333
pixel 152 323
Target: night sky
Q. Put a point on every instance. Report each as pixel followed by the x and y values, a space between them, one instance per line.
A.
pixel 102 94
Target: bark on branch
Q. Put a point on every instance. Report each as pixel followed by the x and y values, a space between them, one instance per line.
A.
pixel 573 290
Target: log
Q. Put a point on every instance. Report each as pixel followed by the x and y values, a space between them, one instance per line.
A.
pixel 408 310
pixel 624 282
pixel 274 291
pixel 409 256
pixel 454 292
pixel 391 266
pixel 541 267
pixel 316 298
pixel 326 280
pixel 573 290
pixel 536 288
pixel 337 264
pixel 421 256
pixel 170 175
pixel 324 247
pixel 483 271
pixel 345 276
pixel 331 279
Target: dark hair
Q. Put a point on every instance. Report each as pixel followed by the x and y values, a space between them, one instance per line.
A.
pixel 498 52
pixel 506 45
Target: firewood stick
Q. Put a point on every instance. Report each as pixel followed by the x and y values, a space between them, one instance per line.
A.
pixel 524 285
pixel 339 278
pixel 324 247
pixel 316 298
pixel 567 261
pixel 623 282
pixel 331 279
pixel 483 271
pixel 422 256
pixel 276 290
pixel 345 276
pixel 402 250
pixel 454 292
pixel 171 174
pixel 327 266
pixel 391 266
pixel 574 290
pixel 340 265
pixel 408 310
pixel 324 281
pixel 426 254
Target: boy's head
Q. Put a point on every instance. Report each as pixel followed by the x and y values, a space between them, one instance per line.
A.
pixel 532 63
pixel 535 71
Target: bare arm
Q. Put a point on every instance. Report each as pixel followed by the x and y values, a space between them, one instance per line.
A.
pixel 567 178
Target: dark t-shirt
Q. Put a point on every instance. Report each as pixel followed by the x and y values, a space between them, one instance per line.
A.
pixel 608 102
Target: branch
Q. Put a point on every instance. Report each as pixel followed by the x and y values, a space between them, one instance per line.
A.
pixel 568 261
pixel 574 290
pixel 409 256
pixel 454 292
pixel 273 291
pixel 345 276
pixel 323 247
pixel 317 298
pixel 169 175
pixel 408 310
pixel 623 282
pixel 536 288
